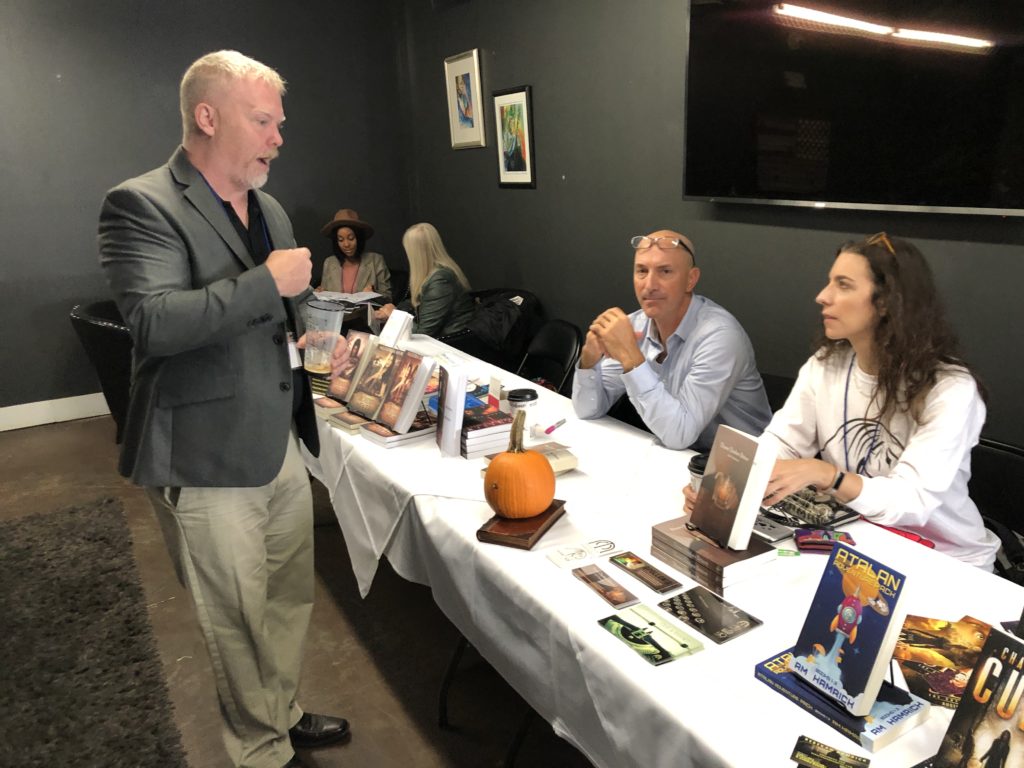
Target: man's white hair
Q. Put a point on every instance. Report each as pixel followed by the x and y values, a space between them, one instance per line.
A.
pixel 215 69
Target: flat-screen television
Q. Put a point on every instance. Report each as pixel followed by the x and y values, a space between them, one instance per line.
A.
pixel 881 104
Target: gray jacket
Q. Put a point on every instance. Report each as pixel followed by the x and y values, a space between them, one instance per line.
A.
pixel 211 398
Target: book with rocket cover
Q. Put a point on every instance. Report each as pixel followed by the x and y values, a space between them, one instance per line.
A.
pixel 985 729
pixel 936 656
pixel 733 487
pixel 894 712
pixel 360 351
pixel 848 638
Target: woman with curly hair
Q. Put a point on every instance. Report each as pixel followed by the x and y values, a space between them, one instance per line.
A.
pixel 886 403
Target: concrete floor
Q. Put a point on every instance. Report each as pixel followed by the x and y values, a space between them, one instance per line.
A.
pixel 377 661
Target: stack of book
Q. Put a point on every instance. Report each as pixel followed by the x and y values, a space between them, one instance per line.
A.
pixel 347 421
pixel 485 431
pixel 423 426
pixel 714 567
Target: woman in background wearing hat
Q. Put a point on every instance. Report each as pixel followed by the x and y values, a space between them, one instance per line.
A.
pixel 352 269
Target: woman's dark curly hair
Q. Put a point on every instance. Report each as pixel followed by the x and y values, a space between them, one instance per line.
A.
pixel 360 244
pixel 913 341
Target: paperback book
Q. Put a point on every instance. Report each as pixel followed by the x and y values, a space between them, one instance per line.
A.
pixel 404 396
pixel 347 421
pixel 893 713
pixel 360 352
pixel 325 406
pixel 422 427
pixel 851 629
pixel 936 656
pixel 368 394
pixel 985 727
pixel 559 456
pixel 451 394
pixel 733 487
pixel 675 542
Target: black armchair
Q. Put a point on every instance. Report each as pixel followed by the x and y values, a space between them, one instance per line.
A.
pixel 997 487
pixel 108 344
pixel 551 354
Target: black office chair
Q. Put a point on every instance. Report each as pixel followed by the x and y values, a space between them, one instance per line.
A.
pixel 997 487
pixel 108 344
pixel 552 354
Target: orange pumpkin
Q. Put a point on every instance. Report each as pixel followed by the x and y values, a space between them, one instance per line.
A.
pixel 519 483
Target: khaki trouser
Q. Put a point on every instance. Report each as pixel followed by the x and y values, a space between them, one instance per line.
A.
pixel 246 556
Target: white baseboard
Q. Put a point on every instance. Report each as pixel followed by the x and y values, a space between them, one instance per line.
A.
pixel 50 411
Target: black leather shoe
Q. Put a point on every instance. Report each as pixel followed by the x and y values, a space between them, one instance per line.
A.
pixel 295 762
pixel 314 731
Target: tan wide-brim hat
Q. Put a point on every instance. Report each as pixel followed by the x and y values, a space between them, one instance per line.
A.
pixel 346 217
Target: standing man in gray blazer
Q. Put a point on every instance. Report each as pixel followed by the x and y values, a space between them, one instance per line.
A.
pixel 205 271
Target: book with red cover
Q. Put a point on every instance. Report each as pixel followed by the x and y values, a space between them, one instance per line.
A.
pixel 484 419
pixel 521 533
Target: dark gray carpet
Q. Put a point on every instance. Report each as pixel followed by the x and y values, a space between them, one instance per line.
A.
pixel 80 680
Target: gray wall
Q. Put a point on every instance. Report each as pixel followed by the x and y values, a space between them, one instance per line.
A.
pixel 608 80
pixel 88 97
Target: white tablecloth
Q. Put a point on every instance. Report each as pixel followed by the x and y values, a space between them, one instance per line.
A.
pixel 537 624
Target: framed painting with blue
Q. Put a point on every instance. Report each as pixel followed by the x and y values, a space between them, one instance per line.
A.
pixel 513 121
pixel 465 112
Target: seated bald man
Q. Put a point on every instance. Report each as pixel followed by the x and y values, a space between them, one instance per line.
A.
pixel 684 362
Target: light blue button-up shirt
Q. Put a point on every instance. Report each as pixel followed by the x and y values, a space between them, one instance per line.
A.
pixel 708 377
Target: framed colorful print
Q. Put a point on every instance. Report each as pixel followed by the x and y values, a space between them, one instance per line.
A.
pixel 465 108
pixel 513 121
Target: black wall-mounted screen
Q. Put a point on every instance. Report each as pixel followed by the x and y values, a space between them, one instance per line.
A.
pixel 787 110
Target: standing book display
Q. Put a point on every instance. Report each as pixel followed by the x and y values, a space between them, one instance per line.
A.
pixel 836 671
pixel 713 545
pixel 734 482
pixel 391 388
pixel 360 351
pixel 451 397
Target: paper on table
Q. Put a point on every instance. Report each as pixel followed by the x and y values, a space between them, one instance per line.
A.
pixel 352 298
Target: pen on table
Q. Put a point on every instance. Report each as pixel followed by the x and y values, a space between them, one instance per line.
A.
pixel 554 426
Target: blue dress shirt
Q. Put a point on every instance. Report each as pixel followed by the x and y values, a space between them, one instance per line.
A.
pixel 708 377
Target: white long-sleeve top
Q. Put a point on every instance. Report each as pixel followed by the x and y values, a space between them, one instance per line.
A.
pixel 914 474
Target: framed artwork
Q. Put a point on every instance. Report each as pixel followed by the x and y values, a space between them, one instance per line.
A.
pixel 465 109
pixel 513 122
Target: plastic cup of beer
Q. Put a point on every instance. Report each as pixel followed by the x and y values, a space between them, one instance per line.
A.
pixel 323 327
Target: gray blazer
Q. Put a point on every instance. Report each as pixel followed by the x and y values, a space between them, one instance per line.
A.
pixel 211 397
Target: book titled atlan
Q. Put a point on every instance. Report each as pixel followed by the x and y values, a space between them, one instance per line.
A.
pixel 851 629
pixel 521 533
pixel 893 713
pixel 985 729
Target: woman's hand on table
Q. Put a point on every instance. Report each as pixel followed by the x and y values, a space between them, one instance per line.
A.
pixel 384 312
pixel 791 475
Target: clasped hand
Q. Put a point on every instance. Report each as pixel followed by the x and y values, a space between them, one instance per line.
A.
pixel 611 334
